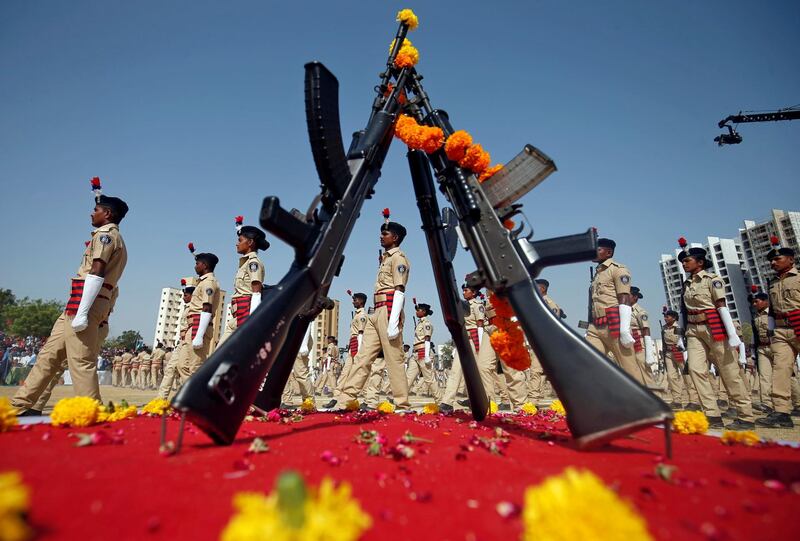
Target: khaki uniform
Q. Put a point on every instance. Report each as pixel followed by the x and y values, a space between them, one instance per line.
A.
pixel 127 358
pixel 765 357
pixel 328 378
pixel 473 319
pixel 357 326
pixel 251 269
pixel 610 280
pixel 116 370
pixel 392 273
pixel 640 322
pixel 171 359
pixel 300 376
pixel 78 347
pixel 680 385
pixel 701 291
pixel 206 292
pixel 157 367
pixel 417 362
pixel 536 378
pixel 508 386
pixel 135 362
pixel 784 297
pixel 144 370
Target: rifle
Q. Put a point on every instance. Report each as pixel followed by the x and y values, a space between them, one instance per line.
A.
pixel 508 261
pixel 590 311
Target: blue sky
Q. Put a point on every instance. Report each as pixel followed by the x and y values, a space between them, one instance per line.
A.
pixel 193 112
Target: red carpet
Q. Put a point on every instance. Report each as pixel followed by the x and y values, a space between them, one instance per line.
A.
pixel 445 492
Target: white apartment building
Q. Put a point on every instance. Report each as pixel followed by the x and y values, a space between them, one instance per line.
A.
pixel 170 310
pixel 754 239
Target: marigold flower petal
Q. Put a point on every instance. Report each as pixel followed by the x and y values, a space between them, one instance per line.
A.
pixel 75 411
pixel 456 145
pixel 744 437
pixel 156 407
pixel 8 414
pixel 430 409
pixel 690 422
pixel 487 174
pixel 557 407
pixel 407 57
pixel 406 16
pixel 476 159
pixel 386 407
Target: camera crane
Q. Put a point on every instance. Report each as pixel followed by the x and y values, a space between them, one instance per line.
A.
pixel 733 137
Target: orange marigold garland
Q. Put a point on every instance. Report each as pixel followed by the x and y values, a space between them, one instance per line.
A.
pixel 457 145
pixel 417 136
pixel 487 174
pixel 407 57
pixel 476 159
pixel 508 340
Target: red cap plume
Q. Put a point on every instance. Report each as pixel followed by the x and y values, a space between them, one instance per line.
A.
pixel 415 300
pixel 239 220
pixel 86 243
pixel 774 240
pixel 191 247
pixel 95 182
pixel 754 288
pixel 349 293
pixel 682 242
pixel 183 281
pixel 386 213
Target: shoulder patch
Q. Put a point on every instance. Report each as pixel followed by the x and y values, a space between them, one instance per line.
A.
pixel 481 309
pixel 717 284
pixel 209 291
pixel 253 266
pixel 625 279
pixel 105 239
pixel 363 318
pixel 644 317
pixel 402 269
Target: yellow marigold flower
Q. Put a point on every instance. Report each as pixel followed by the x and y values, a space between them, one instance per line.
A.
pixel 492 407
pixel 329 513
pixel 8 414
pixel 487 174
pixel 352 405
pixel 406 16
pixel 690 422
pixel 476 159
pixel 745 437
pixel 118 414
pixel 406 43
pixel 156 407
pixel 456 145
pixel 14 504
pixel 386 407
pixel 308 406
pixel 76 411
pixel 578 505
pixel 528 409
pixel 430 409
pixel 558 407
pixel 427 138
pixel 407 57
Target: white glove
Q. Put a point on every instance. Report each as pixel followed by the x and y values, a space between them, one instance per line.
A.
pixel 713 369
pixel 255 300
pixel 360 339
pixel 681 347
pixel 394 318
pixel 725 315
pixel 205 319
pixel 649 352
pixel 304 345
pixel 91 289
pixel 625 336
pixel 480 336
pixel 742 355
pixel 427 351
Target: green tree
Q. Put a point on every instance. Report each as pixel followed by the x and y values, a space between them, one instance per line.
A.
pixel 126 340
pixel 747 333
pixel 32 317
pixel 447 354
pixel 7 299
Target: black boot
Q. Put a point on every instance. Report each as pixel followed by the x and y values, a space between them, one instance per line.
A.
pixel 464 403
pixel 738 424
pixel 715 423
pixel 445 407
pixel 330 405
pixel 776 419
pixel 30 413
pixel 691 406
pixel 730 413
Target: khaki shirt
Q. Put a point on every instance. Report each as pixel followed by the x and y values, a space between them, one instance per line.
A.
pixel 250 270
pixel 126 358
pixel 761 326
pixel 159 354
pixel 702 290
pixel 640 319
pixel 332 352
pixel 556 309
pixel 117 360
pixel 108 246
pixel 145 360
pixel 474 318
pixel 206 292
pixel 359 322
pixel 393 271
pixel 184 320
pixel 111 303
pixel 424 328
pixel 784 293
pixel 610 280
pixel 671 335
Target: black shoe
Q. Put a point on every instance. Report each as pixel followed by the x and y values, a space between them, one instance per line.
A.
pixel 795 412
pixel 715 423
pixel 738 424
pixel 504 407
pixel 364 407
pixel 30 413
pixel 445 407
pixel 464 403
pixel 776 420
pixel 730 413
pixel 676 406
pixel 693 407
pixel 285 406
pixel 330 405
pixel 760 407
pixel 722 404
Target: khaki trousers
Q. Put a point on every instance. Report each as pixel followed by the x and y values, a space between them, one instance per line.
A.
pixel 647 374
pixel 417 367
pixel 80 351
pixel 171 374
pixel 376 339
pixel 785 347
pixel 144 377
pixel 230 326
pixel 302 378
pixel 456 378
pixel 602 340
pixel 677 389
pixel 348 365
pixel 375 383
pixel 156 373
pixel 124 376
pixel 192 359
pixel 116 374
pixel 510 384
pixel 536 381
pixel 702 349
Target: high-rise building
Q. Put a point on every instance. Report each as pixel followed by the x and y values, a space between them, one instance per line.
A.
pixel 754 238
pixel 326 324
pixel 726 258
pixel 170 310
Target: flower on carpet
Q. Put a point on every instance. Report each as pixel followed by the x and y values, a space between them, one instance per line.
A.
pixel 76 411
pixel 156 407
pixel 407 17
pixel 293 512
pixel 308 406
pixel 557 407
pixel 690 422
pixel 352 405
pixel 745 437
pixel 492 407
pixel 430 409
pixel 113 413
pixel 14 504
pixel 386 407
pixel 528 409
pixel 578 505
pixel 8 414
